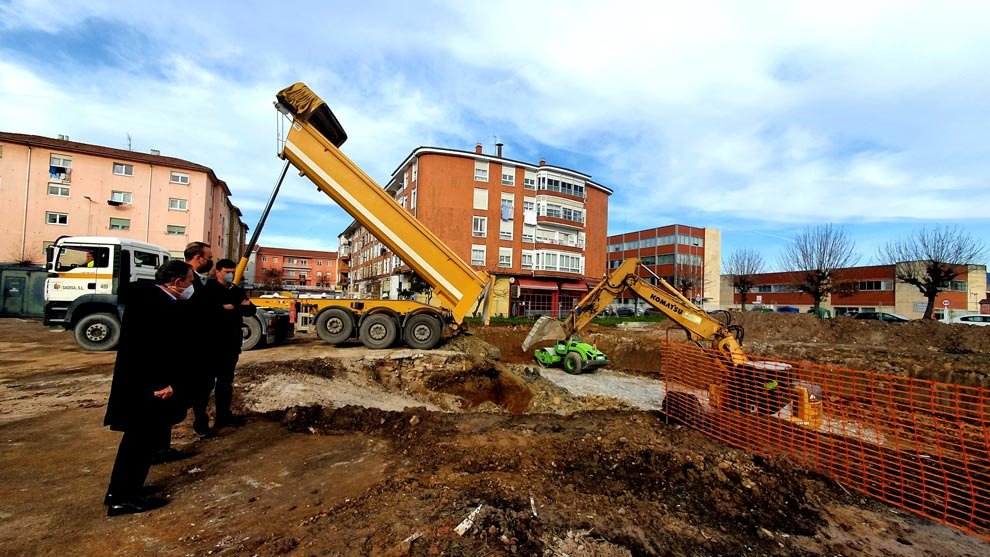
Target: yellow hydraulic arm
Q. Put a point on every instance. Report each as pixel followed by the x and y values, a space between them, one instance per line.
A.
pixel 312 147
pixel 695 321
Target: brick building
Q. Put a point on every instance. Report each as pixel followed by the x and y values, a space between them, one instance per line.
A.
pixel 687 257
pixel 56 187
pixel 539 228
pixel 876 290
pixel 293 269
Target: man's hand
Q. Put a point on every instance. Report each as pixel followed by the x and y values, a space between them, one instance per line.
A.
pixel 164 393
pixel 228 306
pixel 245 302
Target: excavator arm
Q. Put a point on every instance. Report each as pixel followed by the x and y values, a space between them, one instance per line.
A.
pixel 698 325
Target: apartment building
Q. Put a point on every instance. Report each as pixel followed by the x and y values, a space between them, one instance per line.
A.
pixel 687 257
pixel 293 269
pixel 875 288
pixel 56 187
pixel 539 228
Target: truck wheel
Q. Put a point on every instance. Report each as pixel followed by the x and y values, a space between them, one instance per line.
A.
pixel 683 408
pixel 334 326
pixel 250 333
pixel 572 363
pixel 98 332
pixel 378 331
pixel 422 332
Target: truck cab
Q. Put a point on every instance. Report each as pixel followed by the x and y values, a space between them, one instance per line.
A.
pixel 84 274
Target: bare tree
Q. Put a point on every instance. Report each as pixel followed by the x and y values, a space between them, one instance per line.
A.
pixel 272 278
pixel 814 256
pixel 740 267
pixel 931 258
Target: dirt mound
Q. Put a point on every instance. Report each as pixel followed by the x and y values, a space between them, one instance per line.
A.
pixel 634 481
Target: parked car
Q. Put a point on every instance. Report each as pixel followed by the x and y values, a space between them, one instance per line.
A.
pixel 625 311
pixel 788 309
pixel 881 316
pixel 975 319
pixel 651 311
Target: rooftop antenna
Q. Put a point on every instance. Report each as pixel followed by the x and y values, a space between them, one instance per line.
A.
pixel 128 142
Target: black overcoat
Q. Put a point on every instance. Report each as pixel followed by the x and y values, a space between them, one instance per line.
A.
pixel 150 331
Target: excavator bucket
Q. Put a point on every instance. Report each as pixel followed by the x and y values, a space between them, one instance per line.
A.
pixel 545 328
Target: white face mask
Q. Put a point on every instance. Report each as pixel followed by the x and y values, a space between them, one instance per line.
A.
pixel 186 293
pixel 228 278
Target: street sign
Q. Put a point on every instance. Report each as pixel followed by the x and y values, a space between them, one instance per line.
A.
pixel 945 303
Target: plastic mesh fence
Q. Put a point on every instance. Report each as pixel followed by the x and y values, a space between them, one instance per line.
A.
pixel 920 445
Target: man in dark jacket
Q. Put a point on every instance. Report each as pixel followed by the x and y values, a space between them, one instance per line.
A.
pixel 226 306
pixel 145 388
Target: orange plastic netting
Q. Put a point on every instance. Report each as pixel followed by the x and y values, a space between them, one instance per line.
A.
pixel 920 445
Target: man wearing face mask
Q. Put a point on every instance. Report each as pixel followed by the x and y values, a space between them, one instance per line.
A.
pixel 146 387
pixel 202 315
pixel 221 292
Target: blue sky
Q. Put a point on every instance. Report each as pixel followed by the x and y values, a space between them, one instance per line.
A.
pixel 756 118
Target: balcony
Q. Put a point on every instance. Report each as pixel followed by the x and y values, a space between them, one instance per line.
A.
pixel 562 195
pixel 562 245
pixel 558 219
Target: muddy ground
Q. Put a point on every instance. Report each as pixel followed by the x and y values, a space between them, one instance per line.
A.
pixel 349 451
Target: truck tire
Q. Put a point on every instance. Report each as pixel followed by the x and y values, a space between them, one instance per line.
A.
pixel 334 326
pixel 683 407
pixel 378 331
pixel 422 332
pixel 572 363
pixel 250 333
pixel 98 332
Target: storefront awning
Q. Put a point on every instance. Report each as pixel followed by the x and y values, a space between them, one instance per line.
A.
pixel 533 284
pixel 574 286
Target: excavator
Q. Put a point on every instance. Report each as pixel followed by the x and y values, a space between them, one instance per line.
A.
pixel 742 384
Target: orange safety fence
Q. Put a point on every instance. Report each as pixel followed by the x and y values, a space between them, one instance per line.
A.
pixel 920 445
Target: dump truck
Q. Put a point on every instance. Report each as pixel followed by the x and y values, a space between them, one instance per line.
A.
pixel 765 387
pixel 312 146
pixel 85 272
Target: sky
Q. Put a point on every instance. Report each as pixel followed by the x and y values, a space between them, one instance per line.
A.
pixel 760 119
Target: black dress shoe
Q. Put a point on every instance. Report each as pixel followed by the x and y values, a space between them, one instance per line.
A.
pixel 204 432
pixel 170 454
pixel 134 505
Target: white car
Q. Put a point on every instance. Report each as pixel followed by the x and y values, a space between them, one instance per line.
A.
pixel 974 319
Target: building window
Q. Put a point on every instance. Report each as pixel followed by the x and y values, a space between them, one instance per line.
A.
pixel 480 171
pixel 121 169
pixel 526 261
pixel 505 230
pixel 178 204
pixel 508 176
pixel 480 199
pixel 505 257
pixel 60 167
pixel 58 190
pixel 264 259
pixel 121 197
pixel 304 262
pixel 415 169
pixel 479 227
pixel 120 224
pixel 412 198
pixel 478 256
pixel 319 263
pixel 175 230
pixel 275 259
pixel 179 178
pixel 507 209
pixel 56 218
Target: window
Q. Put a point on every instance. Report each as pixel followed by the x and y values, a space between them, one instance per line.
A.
pixel 508 176
pixel 121 169
pixel 480 171
pixel 60 167
pixel 1 151
pixel 528 233
pixel 478 256
pixel 529 180
pixel 319 262
pixel 480 199
pixel 412 198
pixel 56 218
pixel 121 197
pixel 178 204
pixel 143 258
pixel 526 261
pixel 505 257
pixel 120 224
pixel 505 230
pixel 179 178
pixel 275 259
pixel 304 262
pixel 70 257
pixel 507 208
pixel 415 169
pixel 58 190
pixel 175 230
pixel 479 227
pixel 264 259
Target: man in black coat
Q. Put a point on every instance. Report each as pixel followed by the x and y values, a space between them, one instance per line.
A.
pixel 227 306
pixel 146 387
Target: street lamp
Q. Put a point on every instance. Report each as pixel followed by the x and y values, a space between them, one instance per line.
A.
pixel 89 214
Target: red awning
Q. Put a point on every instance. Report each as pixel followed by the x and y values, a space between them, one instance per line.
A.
pixel 574 286
pixel 532 284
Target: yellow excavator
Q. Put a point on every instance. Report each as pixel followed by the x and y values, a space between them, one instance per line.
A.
pixel 740 383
